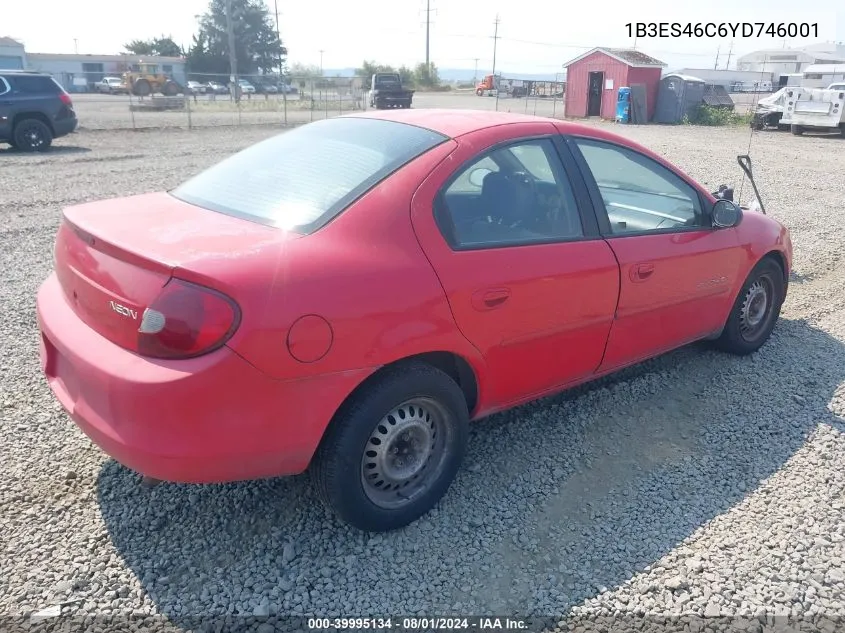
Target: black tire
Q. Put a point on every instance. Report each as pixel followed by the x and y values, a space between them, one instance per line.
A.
pixel 142 88
pixel 170 89
pixel 749 326
pixel 416 410
pixel 32 135
pixel 797 130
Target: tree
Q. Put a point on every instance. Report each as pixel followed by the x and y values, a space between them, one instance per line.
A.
pixel 426 75
pixel 257 46
pixel 302 71
pixel 164 46
pixel 406 75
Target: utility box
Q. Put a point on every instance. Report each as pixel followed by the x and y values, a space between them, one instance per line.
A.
pixel 678 96
pixel 623 105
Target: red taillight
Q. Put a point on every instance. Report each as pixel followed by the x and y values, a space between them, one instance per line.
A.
pixel 186 320
pixel 65 98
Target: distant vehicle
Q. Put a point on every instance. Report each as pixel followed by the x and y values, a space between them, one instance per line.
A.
pixel 836 87
pixel 246 87
pixel 34 109
pixel 195 88
pixel 111 85
pixel 216 88
pixel 490 85
pixel 350 294
pixel 815 109
pixel 387 91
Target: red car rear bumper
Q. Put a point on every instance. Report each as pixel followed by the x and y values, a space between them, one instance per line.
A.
pixel 210 419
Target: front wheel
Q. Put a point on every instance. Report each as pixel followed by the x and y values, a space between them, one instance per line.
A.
pixel 755 311
pixel 394 449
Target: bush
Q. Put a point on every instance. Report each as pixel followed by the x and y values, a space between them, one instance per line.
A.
pixel 714 116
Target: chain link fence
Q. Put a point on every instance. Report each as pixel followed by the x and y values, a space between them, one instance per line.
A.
pixel 209 100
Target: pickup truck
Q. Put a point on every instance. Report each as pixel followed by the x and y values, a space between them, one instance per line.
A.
pixel 815 109
pixel 387 92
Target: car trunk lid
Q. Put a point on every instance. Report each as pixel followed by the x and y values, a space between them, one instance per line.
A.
pixel 114 257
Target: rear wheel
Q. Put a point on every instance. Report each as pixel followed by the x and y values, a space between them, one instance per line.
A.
pixel 394 450
pixel 797 130
pixel 755 311
pixel 32 135
pixel 170 89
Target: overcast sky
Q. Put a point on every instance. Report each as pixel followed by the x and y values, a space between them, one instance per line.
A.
pixel 536 35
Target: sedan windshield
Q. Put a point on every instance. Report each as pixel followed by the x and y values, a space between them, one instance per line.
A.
pixel 300 180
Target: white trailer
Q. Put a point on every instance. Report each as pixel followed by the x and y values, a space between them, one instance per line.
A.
pixel 814 109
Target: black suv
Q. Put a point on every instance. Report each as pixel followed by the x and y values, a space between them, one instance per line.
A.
pixel 34 109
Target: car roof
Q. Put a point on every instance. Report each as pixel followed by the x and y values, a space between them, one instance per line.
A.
pixel 454 123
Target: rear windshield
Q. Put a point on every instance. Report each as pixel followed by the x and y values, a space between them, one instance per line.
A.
pixel 299 180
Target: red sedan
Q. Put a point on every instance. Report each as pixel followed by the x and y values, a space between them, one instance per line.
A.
pixel 346 296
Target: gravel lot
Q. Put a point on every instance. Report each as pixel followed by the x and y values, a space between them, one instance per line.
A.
pixel 696 483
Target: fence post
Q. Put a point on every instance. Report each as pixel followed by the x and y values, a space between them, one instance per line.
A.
pixel 285 101
pixel 188 106
pixel 131 108
pixel 311 95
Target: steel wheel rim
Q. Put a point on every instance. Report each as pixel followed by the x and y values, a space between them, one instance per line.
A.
pixel 756 308
pixel 406 453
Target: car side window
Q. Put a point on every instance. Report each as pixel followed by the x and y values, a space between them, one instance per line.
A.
pixel 516 194
pixel 640 194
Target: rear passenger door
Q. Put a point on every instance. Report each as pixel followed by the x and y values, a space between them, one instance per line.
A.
pixel 529 280
pixel 5 109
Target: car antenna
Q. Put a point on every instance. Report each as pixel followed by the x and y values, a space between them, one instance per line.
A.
pixel 744 160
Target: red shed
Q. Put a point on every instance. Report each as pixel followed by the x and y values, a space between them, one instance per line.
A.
pixel 594 78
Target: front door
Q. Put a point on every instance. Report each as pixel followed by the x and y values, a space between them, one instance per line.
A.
pixel 529 281
pixel 594 94
pixel 676 270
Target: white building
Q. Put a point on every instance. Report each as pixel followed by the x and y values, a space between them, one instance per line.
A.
pixel 12 54
pixel 785 61
pixel 77 73
pixel 822 75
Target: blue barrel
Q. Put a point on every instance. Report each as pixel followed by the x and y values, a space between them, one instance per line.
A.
pixel 623 105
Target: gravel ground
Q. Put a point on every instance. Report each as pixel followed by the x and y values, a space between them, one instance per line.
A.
pixel 697 483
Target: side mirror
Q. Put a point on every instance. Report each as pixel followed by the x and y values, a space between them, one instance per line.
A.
pixel 476 176
pixel 726 214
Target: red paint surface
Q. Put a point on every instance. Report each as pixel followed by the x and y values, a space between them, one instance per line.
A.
pixel 529 320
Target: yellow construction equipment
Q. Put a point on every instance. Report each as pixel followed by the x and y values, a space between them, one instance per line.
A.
pixel 147 80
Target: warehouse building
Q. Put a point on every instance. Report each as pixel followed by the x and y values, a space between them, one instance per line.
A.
pixel 12 54
pixel 78 73
pixel 784 61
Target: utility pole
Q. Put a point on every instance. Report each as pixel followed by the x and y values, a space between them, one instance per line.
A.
pixel 427 32
pixel 278 35
pixel 75 46
pixel 730 50
pixel 321 61
pixel 495 42
pixel 475 74
pixel 233 57
pixel 716 64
